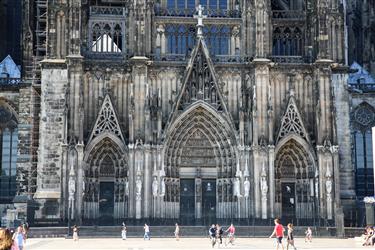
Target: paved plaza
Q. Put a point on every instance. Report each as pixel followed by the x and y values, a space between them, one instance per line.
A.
pixel 184 243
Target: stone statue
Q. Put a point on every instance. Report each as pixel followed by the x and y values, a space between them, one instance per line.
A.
pixel 138 190
pixel 236 187
pixel 264 186
pixel 72 184
pixel 246 186
pixel 162 187
pixel 155 187
pixel 126 187
pixel 329 184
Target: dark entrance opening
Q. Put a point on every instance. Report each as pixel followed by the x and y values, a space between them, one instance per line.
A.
pixel 187 201
pixel 106 203
pixel 209 201
pixel 288 195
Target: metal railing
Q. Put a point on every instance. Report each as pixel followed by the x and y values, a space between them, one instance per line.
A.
pixel 10 81
pixel 105 10
pixel 175 12
pixel 288 14
pixel 363 87
pixel 288 59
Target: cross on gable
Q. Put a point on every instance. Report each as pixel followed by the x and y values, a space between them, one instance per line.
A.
pixel 200 18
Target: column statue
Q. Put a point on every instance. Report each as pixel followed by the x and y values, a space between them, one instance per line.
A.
pixel 246 185
pixel 138 189
pixel 329 193
pixel 155 187
pixel 126 187
pixel 162 187
pixel 71 191
pixel 264 191
pixel 236 187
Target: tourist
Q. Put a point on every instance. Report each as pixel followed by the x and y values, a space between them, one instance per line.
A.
pixel 75 233
pixel 219 233
pixel 212 234
pixel 231 231
pixel 368 236
pixel 279 232
pixel 177 232
pixel 147 232
pixel 25 228
pixel 308 234
pixel 290 237
pixel 5 239
pixel 123 231
pixel 18 238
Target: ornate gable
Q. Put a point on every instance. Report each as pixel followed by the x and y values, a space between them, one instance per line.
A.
pixel 292 122
pixel 107 121
pixel 200 83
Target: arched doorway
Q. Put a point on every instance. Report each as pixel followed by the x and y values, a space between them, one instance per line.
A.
pixel 106 181
pixel 296 186
pixel 200 165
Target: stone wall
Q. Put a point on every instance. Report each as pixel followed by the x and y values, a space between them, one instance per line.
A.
pixel 52 127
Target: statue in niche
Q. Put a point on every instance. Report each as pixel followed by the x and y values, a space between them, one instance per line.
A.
pixel 329 184
pixel 236 187
pixel 206 90
pixel 246 186
pixel 213 95
pixel 193 91
pixel 264 186
pixel 162 187
pixel 138 190
pixel 126 187
pixel 155 187
pixel 71 184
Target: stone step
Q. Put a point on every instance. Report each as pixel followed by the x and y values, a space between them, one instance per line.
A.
pixel 167 231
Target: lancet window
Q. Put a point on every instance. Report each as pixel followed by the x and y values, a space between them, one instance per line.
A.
pixel 181 39
pixel 107 37
pixel 362 119
pixel 287 41
pixel 8 154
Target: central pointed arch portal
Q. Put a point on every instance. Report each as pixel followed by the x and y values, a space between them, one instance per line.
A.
pixel 200 164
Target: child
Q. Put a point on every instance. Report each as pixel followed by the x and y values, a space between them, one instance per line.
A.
pixel 308 235
pixel 279 232
pixel 290 237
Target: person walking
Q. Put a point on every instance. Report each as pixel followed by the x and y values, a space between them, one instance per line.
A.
pixel 177 232
pixel 278 231
pixel 231 231
pixel 75 233
pixel 290 237
pixel 212 234
pixel 147 232
pixel 123 231
pixel 19 238
pixel 219 233
pixel 308 234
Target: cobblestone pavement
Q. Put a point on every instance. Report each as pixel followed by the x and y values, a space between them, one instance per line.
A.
pixel 184 243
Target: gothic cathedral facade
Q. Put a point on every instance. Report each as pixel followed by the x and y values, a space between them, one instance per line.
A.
pixel 164 110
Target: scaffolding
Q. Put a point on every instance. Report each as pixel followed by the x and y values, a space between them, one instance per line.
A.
pixel 32 66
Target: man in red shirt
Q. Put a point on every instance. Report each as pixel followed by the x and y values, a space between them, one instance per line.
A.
pixel 279 232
